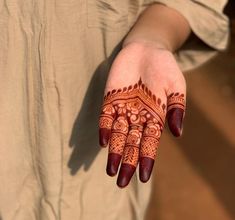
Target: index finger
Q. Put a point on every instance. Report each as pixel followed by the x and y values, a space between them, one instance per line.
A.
pixel 105 123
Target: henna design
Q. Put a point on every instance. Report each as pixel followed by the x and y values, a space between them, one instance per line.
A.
pixel 150 140
pixel 137 101
pixel 131 151
pixel 132 121
pixel 119 134
pixel 105 124
pixel 175 100
pixel 107 116
pixel 175 112
pixel 139 105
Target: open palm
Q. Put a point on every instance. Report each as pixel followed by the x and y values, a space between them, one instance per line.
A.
pixel 144 86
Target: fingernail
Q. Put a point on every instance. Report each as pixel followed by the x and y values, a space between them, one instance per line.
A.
pixel 125 174
pixel 104 135
pixel 145 169
pixel 175 121
pixel 113 164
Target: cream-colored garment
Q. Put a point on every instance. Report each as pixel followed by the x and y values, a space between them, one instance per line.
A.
pixel 54 59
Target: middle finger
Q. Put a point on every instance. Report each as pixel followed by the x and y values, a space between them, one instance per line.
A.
pixel 130 155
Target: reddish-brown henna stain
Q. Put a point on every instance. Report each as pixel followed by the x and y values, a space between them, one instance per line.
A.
pixel 131 121
pixel 175 113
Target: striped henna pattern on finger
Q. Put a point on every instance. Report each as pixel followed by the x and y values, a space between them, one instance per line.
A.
pixel 175 100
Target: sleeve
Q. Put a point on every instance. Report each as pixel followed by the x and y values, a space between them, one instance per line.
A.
pixel 208 23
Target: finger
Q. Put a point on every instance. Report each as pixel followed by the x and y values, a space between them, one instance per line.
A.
pixel 117 143
pixel 175 113
pixel 148 149
pixel 105 124
pixel 130 156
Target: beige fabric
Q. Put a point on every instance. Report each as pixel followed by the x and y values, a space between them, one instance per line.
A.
pixel 54 60
pixel 207 22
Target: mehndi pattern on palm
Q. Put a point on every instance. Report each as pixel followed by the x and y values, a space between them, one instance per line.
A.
pixel 131 121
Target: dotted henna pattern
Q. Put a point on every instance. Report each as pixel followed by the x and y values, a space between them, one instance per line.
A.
pixel 136 119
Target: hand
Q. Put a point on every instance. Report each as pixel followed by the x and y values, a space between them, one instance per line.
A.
pixel 144 86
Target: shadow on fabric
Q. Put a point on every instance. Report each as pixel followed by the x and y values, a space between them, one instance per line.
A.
pixel 84 136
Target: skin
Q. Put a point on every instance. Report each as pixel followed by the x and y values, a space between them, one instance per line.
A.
pixel 146 58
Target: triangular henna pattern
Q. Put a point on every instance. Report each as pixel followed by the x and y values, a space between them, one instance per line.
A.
pixel 138 93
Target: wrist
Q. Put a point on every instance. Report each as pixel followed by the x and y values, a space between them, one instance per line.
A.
pixel 147 53
pixel 139 42
pixel 163 26
pixel 143 46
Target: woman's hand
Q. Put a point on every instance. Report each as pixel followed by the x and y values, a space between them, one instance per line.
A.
pixel 144 86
